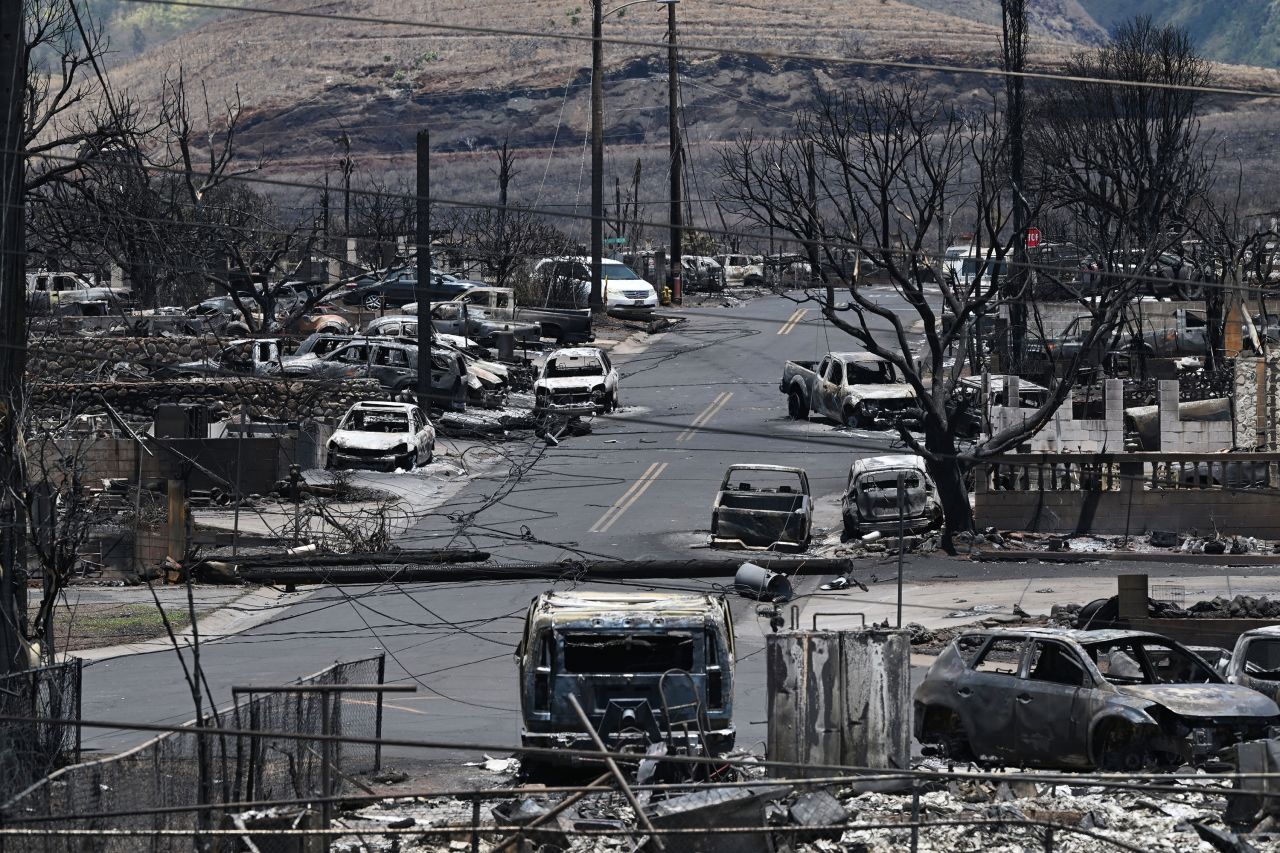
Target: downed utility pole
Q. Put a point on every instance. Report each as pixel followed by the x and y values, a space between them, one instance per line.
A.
pixel 305 571
pixel 13 331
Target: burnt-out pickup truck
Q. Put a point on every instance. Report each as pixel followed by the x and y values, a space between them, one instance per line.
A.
pixel 762 507
pixel 645 666
pixel 857 389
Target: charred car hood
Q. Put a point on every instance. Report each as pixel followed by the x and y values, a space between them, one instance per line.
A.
pixel 1204 700
pixel 560 382
pixel 882 392
pixel 344 438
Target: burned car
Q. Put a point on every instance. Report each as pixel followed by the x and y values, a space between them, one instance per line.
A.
pixel 762 507
pixel 386 436
pixel 1112 700
pixel 576 380
pixel 646 667
pixel 1255 661
pixel 870 499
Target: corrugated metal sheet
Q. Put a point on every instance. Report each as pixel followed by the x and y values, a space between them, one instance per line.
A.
pixel 840 697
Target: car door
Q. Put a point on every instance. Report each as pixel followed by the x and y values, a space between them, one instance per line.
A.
pixel 984 696
pixel 832 383
pixel 1050 724
pixel 351 360
pixel 389 365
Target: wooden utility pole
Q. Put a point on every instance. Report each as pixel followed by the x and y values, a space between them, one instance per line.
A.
pixel 677 155
pixel 421 288
pixel 596 296
pixel 13 330
pixel 1014 43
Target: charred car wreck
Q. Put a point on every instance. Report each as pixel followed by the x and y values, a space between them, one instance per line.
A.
pixel 647 668
pixel 762 507
pixel 1110 700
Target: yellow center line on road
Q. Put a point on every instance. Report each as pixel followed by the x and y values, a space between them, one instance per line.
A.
pixel 705 415
pixel 633 494
pixel 792 321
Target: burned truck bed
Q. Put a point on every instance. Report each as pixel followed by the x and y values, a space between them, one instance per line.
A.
pixel 762 507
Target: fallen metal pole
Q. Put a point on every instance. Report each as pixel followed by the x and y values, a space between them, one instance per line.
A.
pixel 641 817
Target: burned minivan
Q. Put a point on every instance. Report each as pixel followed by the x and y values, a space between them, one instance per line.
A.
pixel 646 668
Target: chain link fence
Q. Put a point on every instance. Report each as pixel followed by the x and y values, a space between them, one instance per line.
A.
pixel 157 786
pixel 34 747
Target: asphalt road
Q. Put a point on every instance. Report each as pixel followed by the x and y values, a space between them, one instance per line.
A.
pixel 695 399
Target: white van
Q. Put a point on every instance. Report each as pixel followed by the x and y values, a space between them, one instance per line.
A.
pixel 623 289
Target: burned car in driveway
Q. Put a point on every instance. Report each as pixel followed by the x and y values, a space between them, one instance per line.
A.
pixel 1112 700
pixel 762 507
pixel 646 667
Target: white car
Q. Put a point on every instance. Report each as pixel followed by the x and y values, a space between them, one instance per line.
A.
pixel 381 435
pixel 576 380
pixel 742 269
pixel 623 289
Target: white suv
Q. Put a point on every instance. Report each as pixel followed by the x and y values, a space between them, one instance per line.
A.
pixel 625 292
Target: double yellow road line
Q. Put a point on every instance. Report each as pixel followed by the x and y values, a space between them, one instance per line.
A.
pixel 791 322
pixel 705 415
pixel 633 494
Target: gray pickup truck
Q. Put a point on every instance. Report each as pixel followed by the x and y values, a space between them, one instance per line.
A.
pixel 857 389
pixel 762 507
pixel 562 325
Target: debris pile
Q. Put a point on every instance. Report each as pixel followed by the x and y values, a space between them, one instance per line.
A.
pixel 945 812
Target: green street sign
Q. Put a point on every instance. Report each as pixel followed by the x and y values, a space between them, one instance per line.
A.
pixel 615 241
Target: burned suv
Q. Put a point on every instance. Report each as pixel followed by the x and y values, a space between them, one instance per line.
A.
pixel 646 668
pixel 1113 700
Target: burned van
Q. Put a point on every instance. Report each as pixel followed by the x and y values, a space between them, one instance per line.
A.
pixel 646 667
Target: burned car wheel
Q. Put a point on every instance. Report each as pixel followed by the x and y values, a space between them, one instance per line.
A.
pixel 944 728
pixel 851 418
pixel 1120 747
pixel 796 409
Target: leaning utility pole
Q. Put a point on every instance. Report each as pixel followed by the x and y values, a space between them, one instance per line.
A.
pixel 677 155
pixel 13 328
pixel 420 289
pixel 1014 44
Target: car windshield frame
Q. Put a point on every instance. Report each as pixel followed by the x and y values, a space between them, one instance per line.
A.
pixel 618 270
pixel 1128 661
pixel 396 422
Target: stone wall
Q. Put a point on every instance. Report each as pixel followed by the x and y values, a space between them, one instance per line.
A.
pixel 268 399
pixel 56 357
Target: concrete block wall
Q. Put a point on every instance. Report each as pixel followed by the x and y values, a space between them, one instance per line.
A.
pixel 1056 316
pixel 1063 432
pixel 1246 387
pixel 1179 436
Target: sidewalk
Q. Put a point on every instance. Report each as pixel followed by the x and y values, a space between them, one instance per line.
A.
pixel 950 603
pixel 235 609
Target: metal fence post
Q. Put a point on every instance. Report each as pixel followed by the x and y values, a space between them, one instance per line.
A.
pixel 79 678
pixel 475 824
pixel 326 808
pixel 377 730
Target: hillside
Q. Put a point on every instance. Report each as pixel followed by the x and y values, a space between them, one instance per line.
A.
pixel 304 81
pixel 1243 32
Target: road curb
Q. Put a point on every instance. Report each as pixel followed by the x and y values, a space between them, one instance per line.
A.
pixel 1241 560
pixel 247 611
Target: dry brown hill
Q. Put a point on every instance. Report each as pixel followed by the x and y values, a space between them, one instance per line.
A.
pixel 305 80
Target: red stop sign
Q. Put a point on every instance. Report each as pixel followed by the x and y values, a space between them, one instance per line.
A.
pixel 1033 237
